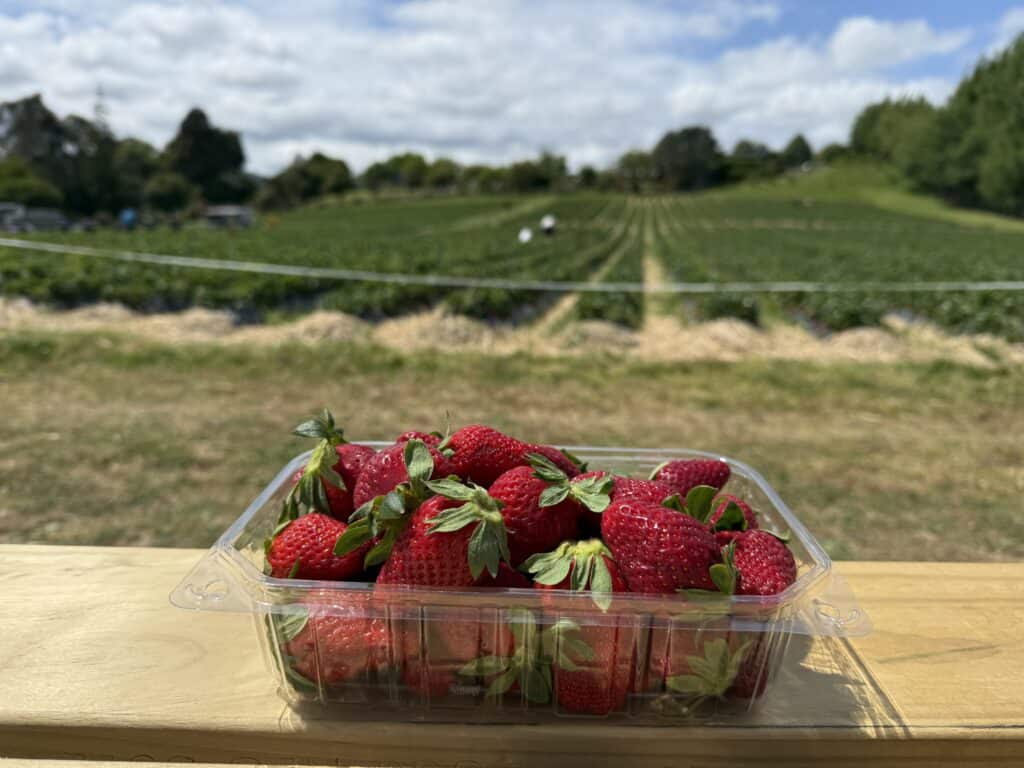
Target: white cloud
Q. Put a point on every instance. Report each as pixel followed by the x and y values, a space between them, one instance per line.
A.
pixel 479 81
pixel 1010 25
pixel 866 43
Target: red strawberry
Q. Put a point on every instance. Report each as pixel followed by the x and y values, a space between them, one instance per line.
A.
pixel 507 577
pixel 763 564
pixel 387 469
pixel 327 481
pixel 561 459
pixel 752 676
pixel 685 475
pixel 532 527
pixel 351 458
pixel 731 517
pixel 483 454
pixel 598 683
pixel 304 549
pixel 434 547
pixel 625 488
pixel 336 642
pixel 659 549
pixel 414 434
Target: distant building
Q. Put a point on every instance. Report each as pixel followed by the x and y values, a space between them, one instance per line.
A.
pixel 229 216
pixel 15 217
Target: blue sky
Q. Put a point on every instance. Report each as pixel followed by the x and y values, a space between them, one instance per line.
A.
pixel 491 81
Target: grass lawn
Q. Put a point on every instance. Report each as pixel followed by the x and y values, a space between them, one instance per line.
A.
pixel 113 440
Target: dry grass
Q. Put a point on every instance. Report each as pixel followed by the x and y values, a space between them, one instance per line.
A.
pixel 118 440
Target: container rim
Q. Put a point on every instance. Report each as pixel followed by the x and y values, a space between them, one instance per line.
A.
pixel 820 567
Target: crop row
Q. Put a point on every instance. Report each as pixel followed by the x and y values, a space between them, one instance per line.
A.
pixel 849 243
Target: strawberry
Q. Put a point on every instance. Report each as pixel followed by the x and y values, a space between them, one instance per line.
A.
pixel 507 577
pixel 564 460
pixel 686 474
pixel 334 643
pixel 624 488
pixel 430 438
pixel 752 676
pixel 304 549
pixel 732 516
pixel 446 544
pixel 482 454
pixel 383 518
pixel 537 516
pixel 387 469
pixel 580 566
pixel 756 563
pixel 600 686
pixel 659 548
pixel 327 481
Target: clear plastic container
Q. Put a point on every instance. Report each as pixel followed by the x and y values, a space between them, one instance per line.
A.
pixel 437 654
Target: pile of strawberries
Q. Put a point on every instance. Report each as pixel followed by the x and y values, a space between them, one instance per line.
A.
pixel 479 508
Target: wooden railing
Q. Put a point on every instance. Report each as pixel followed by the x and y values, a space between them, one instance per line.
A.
pixel 96 665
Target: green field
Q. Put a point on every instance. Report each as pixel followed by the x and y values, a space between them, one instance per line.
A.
pixel 113 440
pixel 836 225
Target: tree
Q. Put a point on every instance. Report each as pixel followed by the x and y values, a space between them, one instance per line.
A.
pixel 168 191
pixel 18 184
pixel 209 158
pixel 587 177
pixel 688 159
pixel 134 163
pixel 442 174
pixel 635 170
pixel 305 180
pixel 752 160
pixel 796 153
pixel 832 153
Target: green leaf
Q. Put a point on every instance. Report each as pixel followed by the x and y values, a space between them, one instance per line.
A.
pixel 656 470
pixel 485 666
pixel 698 502
pixel 311 428
pixel 675 501
pixel 581 572
pixel 580 465
pixel 535 685
pixel 783 537
pixel 390 507
pixel 451 488
pixel 418 461
pixel 454 519
pixel 381 550
pixel 554 494
pixel 691 685
pixel 595 502
pixel 357 534
pixel 601 584
pixel 289 625
pixel 295 568
pixel 724 578
pixel 484 551
pixel 545 469
pixel 731 519
pixel 502 683
pixel 554 573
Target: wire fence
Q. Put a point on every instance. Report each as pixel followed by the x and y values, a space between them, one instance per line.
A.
pixel 469 281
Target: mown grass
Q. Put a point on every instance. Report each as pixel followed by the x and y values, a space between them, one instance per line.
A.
pixel 112 440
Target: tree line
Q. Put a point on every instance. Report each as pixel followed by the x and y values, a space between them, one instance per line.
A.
pixel 970 151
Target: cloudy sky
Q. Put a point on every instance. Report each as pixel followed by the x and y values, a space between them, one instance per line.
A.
pixel 494 80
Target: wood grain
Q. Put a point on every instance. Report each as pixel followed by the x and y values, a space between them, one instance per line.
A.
pixel 95 664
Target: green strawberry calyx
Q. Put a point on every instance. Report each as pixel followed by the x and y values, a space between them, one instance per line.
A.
pixel 488 545
pixel 384 517
pixel 309 493
pixel 594 493
pixel 536 652
pixel 583 562
pixel 711 674
pixel 724 574
pixel 700 505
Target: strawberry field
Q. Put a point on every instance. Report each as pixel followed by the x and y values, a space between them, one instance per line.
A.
pixel 748 234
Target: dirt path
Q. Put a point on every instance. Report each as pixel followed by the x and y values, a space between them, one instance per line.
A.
pixel 554 319
pixel 664 339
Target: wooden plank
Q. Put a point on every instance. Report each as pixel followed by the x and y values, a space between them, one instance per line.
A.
pixel 96 664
